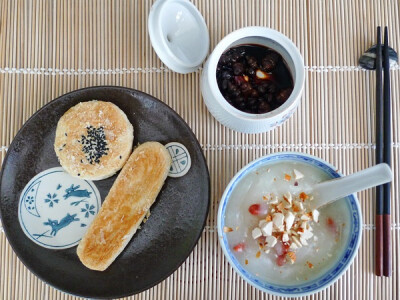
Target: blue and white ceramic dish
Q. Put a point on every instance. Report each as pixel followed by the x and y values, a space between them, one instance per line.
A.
pixel 344 258
pixel 55 209
pixel 181 161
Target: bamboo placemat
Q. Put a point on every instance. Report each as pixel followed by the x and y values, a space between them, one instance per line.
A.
pixel 48 48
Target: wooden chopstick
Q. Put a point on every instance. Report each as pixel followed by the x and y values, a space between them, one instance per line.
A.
pixel 379 158
pixel 387 147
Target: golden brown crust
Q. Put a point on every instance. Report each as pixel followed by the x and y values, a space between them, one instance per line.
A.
pixel 125 206
pixel 73 133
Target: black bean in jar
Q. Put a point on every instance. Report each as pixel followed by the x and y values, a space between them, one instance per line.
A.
pixel 254 78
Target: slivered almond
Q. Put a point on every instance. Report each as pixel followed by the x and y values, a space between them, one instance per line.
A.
pixel 296 241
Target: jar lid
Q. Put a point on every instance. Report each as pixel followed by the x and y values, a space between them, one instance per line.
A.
pixel 178 34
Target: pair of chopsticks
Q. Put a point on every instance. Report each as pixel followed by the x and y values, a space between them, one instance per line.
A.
pixel 383 155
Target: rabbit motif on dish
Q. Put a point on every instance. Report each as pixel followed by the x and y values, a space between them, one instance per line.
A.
pixel 56 208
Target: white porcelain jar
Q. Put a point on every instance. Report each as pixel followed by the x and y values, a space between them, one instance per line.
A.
pixel 229 115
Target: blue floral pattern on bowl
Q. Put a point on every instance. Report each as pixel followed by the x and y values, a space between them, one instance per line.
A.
pixel 56 208
pixel 328 277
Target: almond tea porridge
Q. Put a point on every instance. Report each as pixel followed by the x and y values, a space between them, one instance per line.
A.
pixel 272 230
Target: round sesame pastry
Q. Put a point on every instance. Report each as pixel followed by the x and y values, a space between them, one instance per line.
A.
pixel 93 140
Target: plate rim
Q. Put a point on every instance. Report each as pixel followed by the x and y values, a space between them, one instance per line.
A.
pixel 203 161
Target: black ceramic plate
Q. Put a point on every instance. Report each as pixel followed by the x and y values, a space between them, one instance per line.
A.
pixel 164 241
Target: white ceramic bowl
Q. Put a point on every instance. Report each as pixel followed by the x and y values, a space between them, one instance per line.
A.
pixel 229 115
pixel 344 258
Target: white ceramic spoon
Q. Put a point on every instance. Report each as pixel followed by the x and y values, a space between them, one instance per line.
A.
pixel 331 190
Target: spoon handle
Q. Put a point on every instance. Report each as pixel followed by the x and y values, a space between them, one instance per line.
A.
pixel 328 191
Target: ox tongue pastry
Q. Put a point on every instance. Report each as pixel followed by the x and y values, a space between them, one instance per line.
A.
pixel 126 205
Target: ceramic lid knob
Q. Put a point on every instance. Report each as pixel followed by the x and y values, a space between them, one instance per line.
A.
pixel 178 34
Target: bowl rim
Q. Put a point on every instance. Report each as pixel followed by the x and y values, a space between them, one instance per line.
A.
pixel 343 267
pixel 257 32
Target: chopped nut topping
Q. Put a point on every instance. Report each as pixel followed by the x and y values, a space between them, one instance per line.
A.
pixel 267 229
pixel 271 241
pixel 258 254
pixel 303 241
pixel 315 215
pixel 307 234
pixel 298 174
pixel 256 233
pixel 303 196
pixel 227 229
pixel 274 200
pixel 294 233
pixel 288 197
pixel 285 237
pixel 268 218
pixel 297 242
pixel 310 265
pixel 278 220
pixel 288 221
pixel 305 217
pixel 291 257
pixel 288 177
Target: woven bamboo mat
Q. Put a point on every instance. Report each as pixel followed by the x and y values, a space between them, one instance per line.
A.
pixel 48 48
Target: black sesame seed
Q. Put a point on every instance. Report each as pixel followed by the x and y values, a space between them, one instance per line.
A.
pixel 81 161
pixel 66 134
pixel 79 174
pixel 94 144
pixel 120 157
